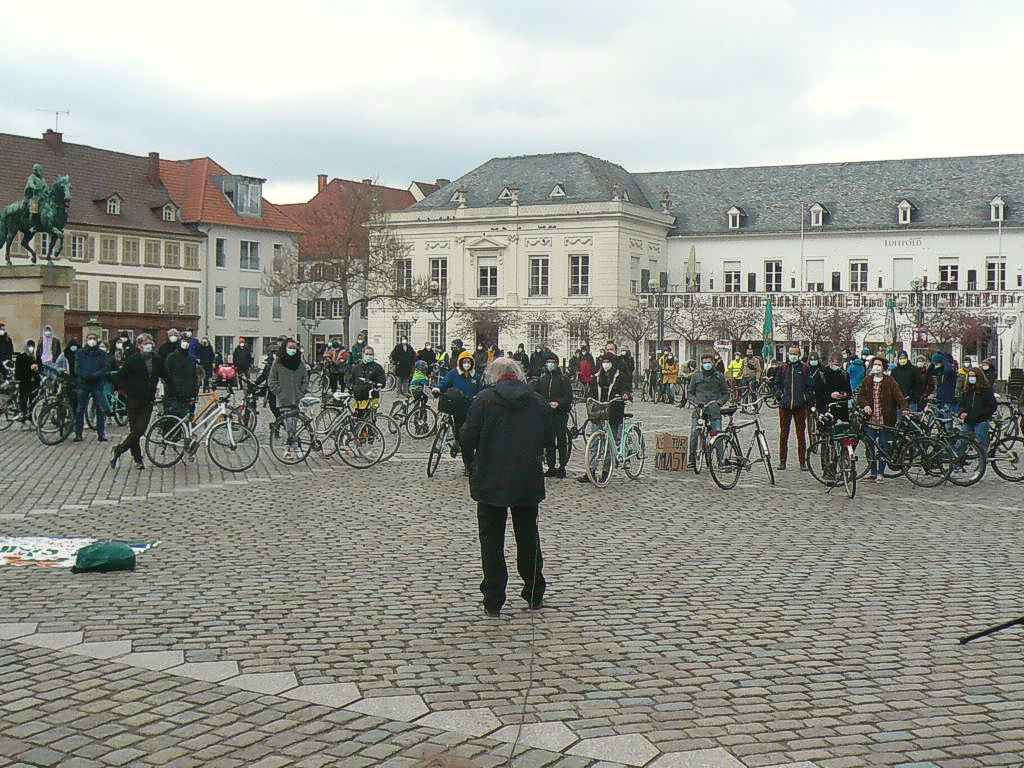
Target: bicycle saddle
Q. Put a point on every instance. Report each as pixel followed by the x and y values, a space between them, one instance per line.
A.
pixel 728 410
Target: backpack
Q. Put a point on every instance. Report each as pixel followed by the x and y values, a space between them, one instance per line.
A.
pixel 103 556
pixel 586 371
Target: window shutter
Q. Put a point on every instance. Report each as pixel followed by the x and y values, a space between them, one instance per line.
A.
pixel 89 248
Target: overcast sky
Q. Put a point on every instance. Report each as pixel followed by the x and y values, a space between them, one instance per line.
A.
pixel 418 90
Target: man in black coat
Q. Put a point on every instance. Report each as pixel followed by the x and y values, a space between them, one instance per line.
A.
pixel 507 428
pixel 6 348
pixel 137 379
pixel 403 358
pixel 555 388
pixel 181 380
pixel 206 361
pixel 910 380
pixel 241 358
pixel 170 345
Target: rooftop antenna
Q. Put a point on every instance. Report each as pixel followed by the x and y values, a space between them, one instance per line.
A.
pixel 56 116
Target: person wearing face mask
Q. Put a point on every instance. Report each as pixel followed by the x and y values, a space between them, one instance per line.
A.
pixel 793 390
pixel 26 373
pixel 356 353
pixel 48 348
pixel 832 385
pixel 734 371
pixel 753 369
pixel 66 362
pixel 336 358
pixel 521 357
pixel 92 365
pixel 367 373
pixel 480 358
pixel 241 357
pixel 669 379
pixel 943 372
pixel 880 397
pixel 988 367
pixel 857 369
pixel 137 380
pixel 289 381
pixel 403 357
pixel 460 386
pixel 6 349
pixel 428 356
pixel 909 379
pixel 612 386
pixel 206 360
pixel 554 387
pixel 170 345
pixel 182 376
pixel 193 343
pixel 536 363
pixel 707 387
pixel 817 382
pixel 977 404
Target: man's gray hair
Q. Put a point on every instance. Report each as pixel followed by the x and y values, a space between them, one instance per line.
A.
pixel 503 368
pixel 143 337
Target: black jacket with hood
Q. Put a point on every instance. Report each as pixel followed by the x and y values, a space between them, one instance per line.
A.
pixel 508 426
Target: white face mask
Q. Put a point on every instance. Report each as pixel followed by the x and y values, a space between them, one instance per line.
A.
pixel 91 342
pixel 606 365
pixel 184 345
pixel 147 348
pixel 3 332
pixel 466 366
pixel 172 339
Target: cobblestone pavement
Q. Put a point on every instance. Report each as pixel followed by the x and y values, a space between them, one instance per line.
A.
pixel 324 616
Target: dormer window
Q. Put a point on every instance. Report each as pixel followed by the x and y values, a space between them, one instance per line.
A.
pixel 244 193
pixel 169 214
pixel 818 212
pixel 997 209
pixel 904 211
pixel 114 205
pixel 735 216
pixel 557 191
pixel 506 194
pixel 459 198
pixel 625 196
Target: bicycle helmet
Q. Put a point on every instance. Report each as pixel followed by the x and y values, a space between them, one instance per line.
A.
pixel 421 365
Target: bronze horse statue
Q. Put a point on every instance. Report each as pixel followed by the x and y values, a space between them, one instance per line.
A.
pixel 53 216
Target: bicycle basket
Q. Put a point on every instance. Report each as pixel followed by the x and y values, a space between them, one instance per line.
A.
pixel 598 411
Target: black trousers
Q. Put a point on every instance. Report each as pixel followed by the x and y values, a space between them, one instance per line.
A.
pixel 467 453
pixel 559 439
pixel 25 391
pixel 139 414
pixel 529 562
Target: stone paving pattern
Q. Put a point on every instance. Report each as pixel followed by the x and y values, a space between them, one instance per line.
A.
pixel 684 626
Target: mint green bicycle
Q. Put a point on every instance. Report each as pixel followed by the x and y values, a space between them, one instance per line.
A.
pixel 604 453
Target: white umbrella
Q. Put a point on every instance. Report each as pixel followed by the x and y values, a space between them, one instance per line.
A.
pixel 691 270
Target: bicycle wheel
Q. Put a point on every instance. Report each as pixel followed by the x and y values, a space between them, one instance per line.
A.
pixel 398 410
pixel 926 461
pixel 166 440
pixel 821 461
pixel 847 467
pixel 359 444
pixel 390 382
pixel 9 414
pixel 969 461
pixel 248 416
pixel 597 459
pixel 766 456
pixel 233 447
pixel 1007 459
pixel 437 448
pixel 392 432
pixel 635 451
pixel 724 461
pixel 119 410
pixel 421 422
pixel 36 410
pixel 54 423
pixel 292 441
pixel 700 452
pixel 90 413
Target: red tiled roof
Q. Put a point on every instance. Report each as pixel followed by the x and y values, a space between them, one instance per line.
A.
pixel 95 174
pixel 194 189
pixel 326 217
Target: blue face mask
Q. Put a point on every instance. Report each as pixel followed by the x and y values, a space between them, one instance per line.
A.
pixel 291 351
pixel 367 358
pixel 707 366
pixel 551 367
pixel 794 358
pixel 814 363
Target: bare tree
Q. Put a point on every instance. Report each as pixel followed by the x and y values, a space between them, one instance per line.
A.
pixel 736 323
pixel 834 327
pixel 969 326
pixel 585 322
pixel 693 322
pixel 488 320
pixel 350 254
pixel 631 323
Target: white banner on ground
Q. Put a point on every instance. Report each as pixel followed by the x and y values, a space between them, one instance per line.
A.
pixel 52 552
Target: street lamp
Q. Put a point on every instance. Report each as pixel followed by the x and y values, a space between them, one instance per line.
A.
pixel 441 289
pixel 309 324
pixel 171 311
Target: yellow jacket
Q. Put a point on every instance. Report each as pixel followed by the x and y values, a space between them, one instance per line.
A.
pixel 735 368
pixel 669 373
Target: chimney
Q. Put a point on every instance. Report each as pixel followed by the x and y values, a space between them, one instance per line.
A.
pixel 368 182
pixel 443 182
pixel 321 182
pixel 55 141
pixel 153 173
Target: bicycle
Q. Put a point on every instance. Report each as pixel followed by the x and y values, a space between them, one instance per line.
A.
pixel 300 437
pixel 230 445
pixel 731 457
pixel 114 405
pixel 603 452
pixel 415 415
pixel 832 458
pixel 444 440
pixel 703 435
pixel 56 419
pixel 909 451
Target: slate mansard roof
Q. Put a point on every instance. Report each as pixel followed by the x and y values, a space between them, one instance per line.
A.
pixel 583 178
pixel 949 192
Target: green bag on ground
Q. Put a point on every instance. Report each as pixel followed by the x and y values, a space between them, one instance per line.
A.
pixel 103 556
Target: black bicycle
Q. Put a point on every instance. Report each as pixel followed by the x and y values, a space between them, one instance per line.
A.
pixel 725 471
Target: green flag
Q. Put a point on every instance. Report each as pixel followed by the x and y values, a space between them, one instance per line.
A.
pixel 767 332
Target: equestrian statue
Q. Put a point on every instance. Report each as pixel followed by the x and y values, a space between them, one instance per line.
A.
pixel 42 209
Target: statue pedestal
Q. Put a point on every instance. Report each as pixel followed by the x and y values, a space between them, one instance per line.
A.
pixel 32 296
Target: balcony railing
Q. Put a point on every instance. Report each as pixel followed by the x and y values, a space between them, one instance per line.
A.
pixel 791 299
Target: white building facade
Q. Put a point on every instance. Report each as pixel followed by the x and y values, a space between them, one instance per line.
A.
pixel 902 239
